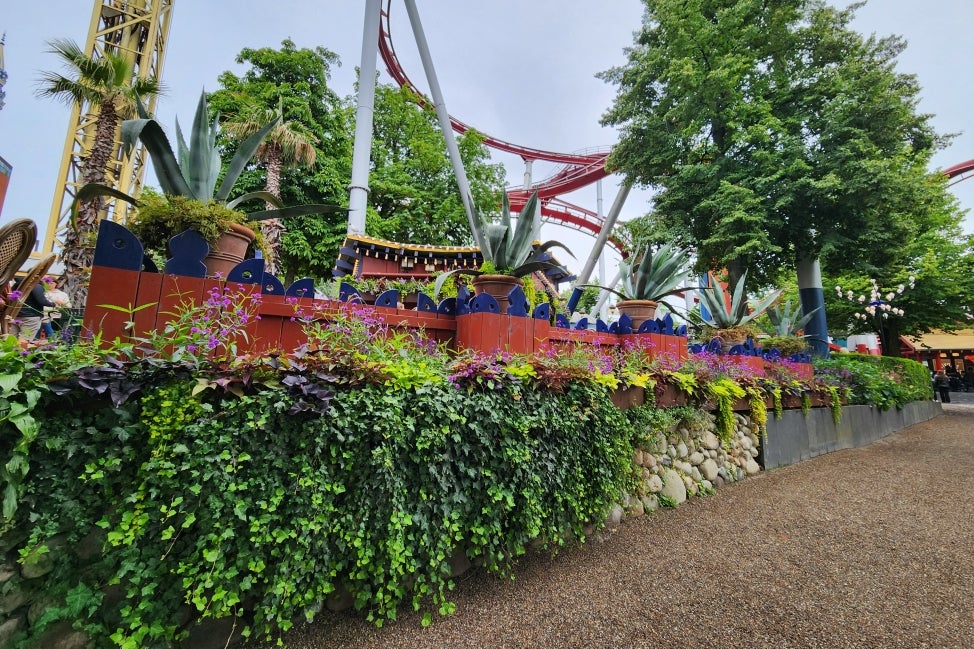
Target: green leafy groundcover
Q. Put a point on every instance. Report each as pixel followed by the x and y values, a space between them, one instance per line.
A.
pixel 235 505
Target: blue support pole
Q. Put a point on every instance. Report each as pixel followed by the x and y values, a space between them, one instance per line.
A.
pixel 813 297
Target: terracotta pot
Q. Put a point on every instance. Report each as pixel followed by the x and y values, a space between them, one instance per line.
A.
pixel 229 250
pixel 729 338
pixel 639 311
pixel 497 286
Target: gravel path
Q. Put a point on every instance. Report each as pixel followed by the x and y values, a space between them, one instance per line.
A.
pixel 872 547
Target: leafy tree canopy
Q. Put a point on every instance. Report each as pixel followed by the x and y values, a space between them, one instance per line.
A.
pixel 295 81
pixel 773 132
pixel 413 194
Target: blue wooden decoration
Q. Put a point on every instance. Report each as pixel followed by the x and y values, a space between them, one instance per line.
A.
pixel 681 331
pixel 448 306
pixel 749 346
pixel 249 271
pixel 737 350
pixel 600 326
pixel 582 324
pixel 542 311
pixel 485 303
pixel 667 325
pixel 614 328
pixel 188 249
pixel 649 327
pixel 270 285
pixel 149 266
pixel 695 348
pixel 304 287
pixel 562 321
pixel 519 303
pixel 773 354
pixel 714 347
pixel 388 298
pixel 463 301
pixel 625 324
pixel 347 292
pixel 425 303
pixel 116 247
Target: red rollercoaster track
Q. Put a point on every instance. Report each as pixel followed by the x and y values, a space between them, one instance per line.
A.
pixel 959 172
pixel 578 170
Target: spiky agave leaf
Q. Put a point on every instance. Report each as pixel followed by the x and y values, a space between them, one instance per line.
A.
pixel 164 161
pixel 724 316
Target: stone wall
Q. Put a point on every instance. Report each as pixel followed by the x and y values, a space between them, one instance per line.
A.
pixel 686 461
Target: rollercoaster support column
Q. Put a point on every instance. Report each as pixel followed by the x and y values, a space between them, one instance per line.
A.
pixel 604 297
pixel 607 225
pixel 600 214
pixel 444 119
pixel 812 298
pixel 358 194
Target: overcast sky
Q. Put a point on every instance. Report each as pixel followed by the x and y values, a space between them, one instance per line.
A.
pixel 520 71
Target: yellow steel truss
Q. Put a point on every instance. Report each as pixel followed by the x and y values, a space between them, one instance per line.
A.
pixel 139 30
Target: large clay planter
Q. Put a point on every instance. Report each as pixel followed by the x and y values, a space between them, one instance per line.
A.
pixel 228 251
pixel 729 338
pixel 639 311
pixel 497 286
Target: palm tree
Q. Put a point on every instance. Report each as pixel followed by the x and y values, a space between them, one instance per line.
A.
pixel 107 86
pixel 289 144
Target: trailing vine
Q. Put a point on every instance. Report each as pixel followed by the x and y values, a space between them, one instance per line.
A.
pixel 835 403
pixel 725 392
pixel 759 410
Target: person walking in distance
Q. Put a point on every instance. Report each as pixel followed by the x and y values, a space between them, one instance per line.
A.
pixel 942 385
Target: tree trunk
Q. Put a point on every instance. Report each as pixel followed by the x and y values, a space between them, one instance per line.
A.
pixel 889 338
pixel 272 228
pixel 78 252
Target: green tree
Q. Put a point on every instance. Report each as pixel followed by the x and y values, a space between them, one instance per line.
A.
pixel 106 84
pixel 413 195
pixel 772 132
pixel 288 145
pixel 294 81
pixel 939 257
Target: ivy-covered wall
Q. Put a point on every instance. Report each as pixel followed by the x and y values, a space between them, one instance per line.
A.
pixel 216 505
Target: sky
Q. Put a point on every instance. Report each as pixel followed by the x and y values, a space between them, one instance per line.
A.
pixel 520 71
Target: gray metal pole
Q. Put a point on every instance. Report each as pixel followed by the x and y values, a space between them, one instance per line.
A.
pixel 444 119
pixel 600 240
pixel 604 296
pixel 358 194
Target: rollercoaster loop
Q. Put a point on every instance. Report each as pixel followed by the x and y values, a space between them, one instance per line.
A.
pixel 579 169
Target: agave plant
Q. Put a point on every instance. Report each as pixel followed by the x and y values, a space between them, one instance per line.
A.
pixel 653 275
pixel 735 312
pixel 786 321
pixel 509 249
pixel 194 172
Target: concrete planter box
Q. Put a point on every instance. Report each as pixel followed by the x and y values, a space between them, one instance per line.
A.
pixel 797 437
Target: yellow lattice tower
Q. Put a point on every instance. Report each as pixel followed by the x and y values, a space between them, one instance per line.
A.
pixel 138 30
